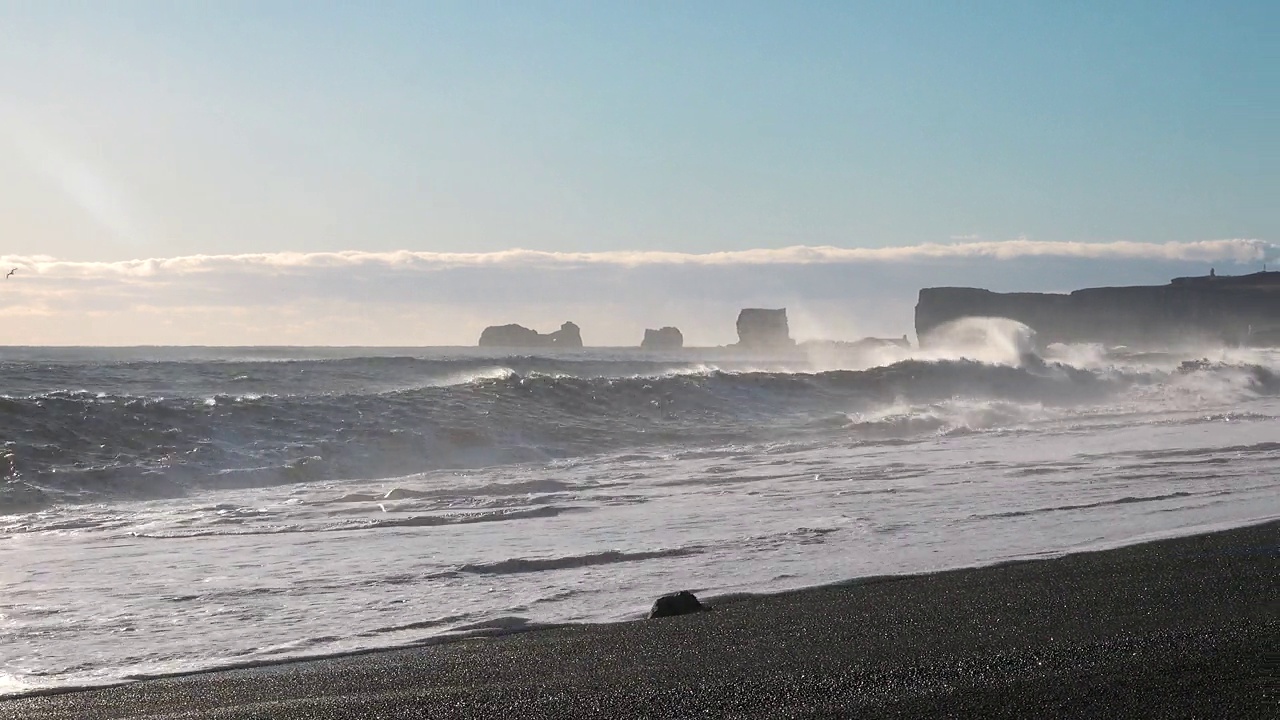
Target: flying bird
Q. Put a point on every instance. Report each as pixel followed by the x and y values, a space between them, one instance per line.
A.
pixel 11 272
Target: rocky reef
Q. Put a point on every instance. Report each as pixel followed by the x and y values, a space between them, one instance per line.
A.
pixel 762 329
pixel 1215 309
pixel 667 338
pixel 866 343
pixel 568 336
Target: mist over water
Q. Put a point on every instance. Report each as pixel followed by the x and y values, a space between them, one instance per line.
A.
pixel 271 503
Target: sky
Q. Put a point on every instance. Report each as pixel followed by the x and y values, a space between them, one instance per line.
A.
pixel 407 173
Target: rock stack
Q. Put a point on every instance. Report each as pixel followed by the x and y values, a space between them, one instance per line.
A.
pixel 760 329
pixel 568 336
pixel 668 338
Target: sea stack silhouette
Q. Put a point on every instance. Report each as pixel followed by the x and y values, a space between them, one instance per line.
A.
pixel 764 329
pixel 667 338
pixel 568 336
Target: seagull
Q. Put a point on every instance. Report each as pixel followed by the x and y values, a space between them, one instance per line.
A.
pixel 11 272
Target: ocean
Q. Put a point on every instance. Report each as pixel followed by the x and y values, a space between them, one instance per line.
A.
pixel 166 510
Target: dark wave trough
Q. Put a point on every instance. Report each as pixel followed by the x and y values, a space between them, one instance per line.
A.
pixel 163 429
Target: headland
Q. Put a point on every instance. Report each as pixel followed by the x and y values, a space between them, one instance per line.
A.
pixel 1212 309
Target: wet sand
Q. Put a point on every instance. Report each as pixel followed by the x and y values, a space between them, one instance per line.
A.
pixel 1181 628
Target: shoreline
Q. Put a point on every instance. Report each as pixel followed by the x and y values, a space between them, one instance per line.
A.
pixel 480 633
pixel 1208 602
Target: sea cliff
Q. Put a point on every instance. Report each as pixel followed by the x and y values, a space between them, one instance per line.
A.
pixel 1232 310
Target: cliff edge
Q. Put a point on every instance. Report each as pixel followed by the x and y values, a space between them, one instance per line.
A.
pixel 1232 310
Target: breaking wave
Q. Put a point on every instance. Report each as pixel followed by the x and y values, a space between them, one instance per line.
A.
pixel 165 429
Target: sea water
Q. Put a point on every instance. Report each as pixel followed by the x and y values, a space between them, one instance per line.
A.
pixel 166 510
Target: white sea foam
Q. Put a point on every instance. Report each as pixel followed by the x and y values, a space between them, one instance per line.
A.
pixel 985 339
pixel 328 515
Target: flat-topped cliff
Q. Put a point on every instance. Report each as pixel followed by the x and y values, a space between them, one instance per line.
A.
pixel 1233 310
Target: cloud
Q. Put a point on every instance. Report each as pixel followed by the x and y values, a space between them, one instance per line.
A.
pixel 1237 250
pixel 420 298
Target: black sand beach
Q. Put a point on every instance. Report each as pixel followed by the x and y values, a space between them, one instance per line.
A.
pixel 1182 628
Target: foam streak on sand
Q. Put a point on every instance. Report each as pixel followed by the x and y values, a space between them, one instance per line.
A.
pixel 332 503
pixel 1174 629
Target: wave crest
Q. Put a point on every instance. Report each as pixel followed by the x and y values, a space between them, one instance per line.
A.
pixel 84 446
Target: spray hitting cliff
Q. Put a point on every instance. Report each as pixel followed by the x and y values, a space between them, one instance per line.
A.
pixel 1215 309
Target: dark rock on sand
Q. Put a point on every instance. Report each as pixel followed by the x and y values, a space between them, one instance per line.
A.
pixel 680 603
pixel 1175 629
pixel 568 336
pixel 762 329
pixel 668 338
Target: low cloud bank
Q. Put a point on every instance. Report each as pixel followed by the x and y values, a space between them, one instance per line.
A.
pixel 420 298
pixel 1237 251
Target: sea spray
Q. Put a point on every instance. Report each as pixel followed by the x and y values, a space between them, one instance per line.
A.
pixel 94 445
pixel 985 339
pixel 330 504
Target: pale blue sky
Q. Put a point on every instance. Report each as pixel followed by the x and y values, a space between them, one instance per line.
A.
pixel 134 129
